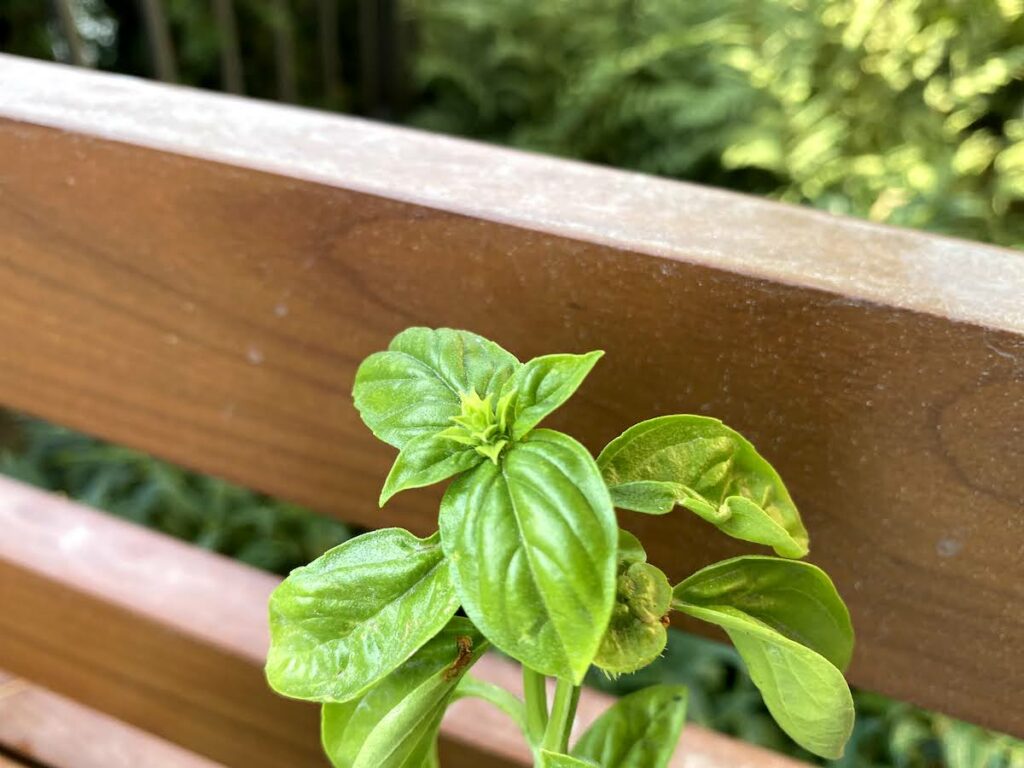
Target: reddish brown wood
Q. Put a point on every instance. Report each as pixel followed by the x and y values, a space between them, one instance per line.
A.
pixel 199 276
pixel 150 631
pixel 61 733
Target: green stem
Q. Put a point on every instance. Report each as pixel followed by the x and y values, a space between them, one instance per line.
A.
pixel 570 719
pixel 562 712
pixel 496 695
pixel 536 694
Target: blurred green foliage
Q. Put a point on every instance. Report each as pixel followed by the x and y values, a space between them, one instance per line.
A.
pixel 905 111
pixel 219 516
pixel 887 734
pixel 278 40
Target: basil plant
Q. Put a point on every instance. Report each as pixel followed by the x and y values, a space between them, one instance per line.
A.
pixel 529 558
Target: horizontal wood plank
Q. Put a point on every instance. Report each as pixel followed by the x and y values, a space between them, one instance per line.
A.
pixel 60 733
pixel 171 639
pixel 198 276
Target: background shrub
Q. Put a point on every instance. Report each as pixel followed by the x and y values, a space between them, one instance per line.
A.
pixel 904 111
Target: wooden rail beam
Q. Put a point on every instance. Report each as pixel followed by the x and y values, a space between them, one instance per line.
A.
pixel 198 276
pixel 54 731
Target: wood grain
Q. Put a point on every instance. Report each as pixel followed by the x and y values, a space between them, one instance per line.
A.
pixel 60 733
pixel 171 639
pixel 213 313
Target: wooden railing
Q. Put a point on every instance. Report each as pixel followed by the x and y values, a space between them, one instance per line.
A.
pixel 197 276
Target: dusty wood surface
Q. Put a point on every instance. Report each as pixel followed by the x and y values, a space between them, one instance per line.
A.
pixel 171 639
pixel 214 312
pixel 61 733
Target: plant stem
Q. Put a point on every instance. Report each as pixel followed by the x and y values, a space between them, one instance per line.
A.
pixel 570 719
pixel 563 709
pixel 536 694
pixel 496 695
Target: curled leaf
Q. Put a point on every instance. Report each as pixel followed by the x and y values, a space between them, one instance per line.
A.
pixel 700 464
pixel 636 633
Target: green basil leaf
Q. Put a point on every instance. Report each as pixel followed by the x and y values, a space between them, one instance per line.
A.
pixel 640 730
pixel 630 548
pixel 414 387
pixel 541 385
pixel 425 460
pixel 636 633
pixel 792 630
pixel 558 760
pixel 533 542
pixel 353 615
pixel 395 723
pixel 794 598
pixel 700 464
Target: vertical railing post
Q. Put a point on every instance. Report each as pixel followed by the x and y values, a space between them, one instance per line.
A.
pixel 69 29
pixel 161 47
pixel 329 60
pixel 231 72
pixel 284 52
pixel 369 46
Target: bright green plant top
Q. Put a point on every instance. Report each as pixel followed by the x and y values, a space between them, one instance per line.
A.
pixel 530 549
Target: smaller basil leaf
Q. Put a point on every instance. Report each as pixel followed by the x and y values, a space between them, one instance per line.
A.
pixel 425 460
pixel 353 615
pixel 630 549
pixel 541 385
pixel 636 633
pixel 640 730
pixel 793 631
pixel 395 723
pixel 415 387
pixel 533 546
pixel 557 760
pixel 700 464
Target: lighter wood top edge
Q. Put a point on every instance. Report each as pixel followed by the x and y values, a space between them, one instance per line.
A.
pixel 856 260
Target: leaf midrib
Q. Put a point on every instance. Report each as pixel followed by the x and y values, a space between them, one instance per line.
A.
pixel 532 567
